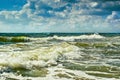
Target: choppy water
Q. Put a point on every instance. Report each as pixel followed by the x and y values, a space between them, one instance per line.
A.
pixel 60 56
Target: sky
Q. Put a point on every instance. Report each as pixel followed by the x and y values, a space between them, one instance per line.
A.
pixel 60 16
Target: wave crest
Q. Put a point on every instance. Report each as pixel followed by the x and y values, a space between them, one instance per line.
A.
pixel 72 38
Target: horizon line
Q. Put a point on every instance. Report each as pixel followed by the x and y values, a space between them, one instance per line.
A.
pixel 55 32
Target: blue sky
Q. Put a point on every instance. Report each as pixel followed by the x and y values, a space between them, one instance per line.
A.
pixel 59 15
pixel 12 4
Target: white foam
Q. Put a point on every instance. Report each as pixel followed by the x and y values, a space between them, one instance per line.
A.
pixel 52 73
pixel 72 38
pixel 50 76
pixel 40 57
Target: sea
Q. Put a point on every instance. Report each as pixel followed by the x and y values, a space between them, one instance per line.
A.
pixel 59 56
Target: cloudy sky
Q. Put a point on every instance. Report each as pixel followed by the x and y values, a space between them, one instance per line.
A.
pixel 59 15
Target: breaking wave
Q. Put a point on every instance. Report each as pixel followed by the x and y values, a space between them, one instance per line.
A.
pixel 73 38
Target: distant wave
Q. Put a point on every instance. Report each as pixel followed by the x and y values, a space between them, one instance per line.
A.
pixel 14 39
pixel 72 38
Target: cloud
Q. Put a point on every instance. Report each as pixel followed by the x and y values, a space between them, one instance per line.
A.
pixel 65 15
pixel 114 17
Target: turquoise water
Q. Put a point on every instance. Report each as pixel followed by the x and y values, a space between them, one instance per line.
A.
pixel 59 56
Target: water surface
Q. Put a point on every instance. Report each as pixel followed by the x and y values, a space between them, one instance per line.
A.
pixel 59 56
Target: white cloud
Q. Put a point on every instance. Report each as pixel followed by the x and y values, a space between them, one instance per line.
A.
pixel 114 17
pixel 60 15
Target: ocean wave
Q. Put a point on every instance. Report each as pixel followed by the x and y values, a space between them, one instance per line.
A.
pixel 35 63
pixel 41 57
pixel 70 38
pixel 44 58
pixel 14 39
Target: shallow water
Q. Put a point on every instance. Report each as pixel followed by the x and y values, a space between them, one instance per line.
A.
pixel 60 57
